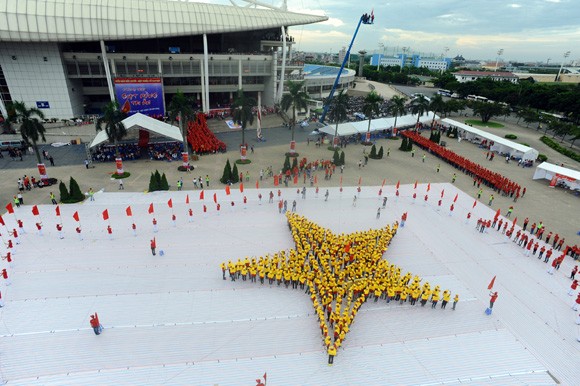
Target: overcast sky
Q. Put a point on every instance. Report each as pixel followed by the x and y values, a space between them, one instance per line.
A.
pixel 529 30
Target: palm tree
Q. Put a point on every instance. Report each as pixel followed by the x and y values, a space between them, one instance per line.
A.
pixel 242 112
pixel 112 122
pixel 437 105
pixel 296 98
pixel 372 106
pixel 397 107
pixel 31 127
pixel 181 108
pixel 419 106
pixel 339 110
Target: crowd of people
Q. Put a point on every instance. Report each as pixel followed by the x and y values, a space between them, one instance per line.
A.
pixel 340 273
pixel 201 139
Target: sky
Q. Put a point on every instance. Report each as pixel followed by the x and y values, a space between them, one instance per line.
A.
pixel 526 30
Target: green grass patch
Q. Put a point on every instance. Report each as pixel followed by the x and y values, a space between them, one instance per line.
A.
pixel 120 176
pixel 478 122
pixel 243 161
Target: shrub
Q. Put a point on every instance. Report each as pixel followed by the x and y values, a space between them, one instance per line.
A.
pixel 336 158
pixel 75 191
pixel 294 163
pixel 341 158
pixel 286 165
pixel 153 183
pixel 511 136
pixel 235 174
pixel 560 149
pixel 380 154
pixel 120 176
pixel 243 161
pixel 164 185
pixel 373 153
pixel 542 157
pixel 227 174
pixel 404 142
pixel 64 196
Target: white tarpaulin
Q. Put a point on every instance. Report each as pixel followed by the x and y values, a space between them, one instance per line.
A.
pixel 550 171
pixel 501 145
pixel 140 121
pixel 350 128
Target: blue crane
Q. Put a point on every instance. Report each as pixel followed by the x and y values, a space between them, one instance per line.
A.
pixel 364 19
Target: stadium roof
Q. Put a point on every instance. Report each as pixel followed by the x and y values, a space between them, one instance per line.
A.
pixel 71 20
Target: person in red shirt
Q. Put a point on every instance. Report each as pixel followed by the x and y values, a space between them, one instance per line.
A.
pixel 153 246
pixel 173 218
pixel 8 258
pixel 190 212
pixel 5 276
pixel 154 225
pixel 59 230
pixel 39 227
pixel 529 247
pixel 548 255
pixel 573 287
pixel 576 303
pixel 96 324
pixel 492 299
pixel 79 230
pixel 110 232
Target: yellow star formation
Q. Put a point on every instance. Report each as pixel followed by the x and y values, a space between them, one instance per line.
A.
pixel 340 272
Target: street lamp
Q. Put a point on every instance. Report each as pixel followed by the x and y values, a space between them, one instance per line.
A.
pixel 499 53
pixel 403 57
pixel 443 56
pixel 566 54
pixel 381 45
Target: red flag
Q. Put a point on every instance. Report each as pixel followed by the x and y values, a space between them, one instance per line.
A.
pixel 491 283
pixel 359 180
pixel 106 214
pixel 383 184
pixel 295 179
pixel 442 193
pixel 2 221
pixel 151 209
pixel 474 203
pixel 257 184
pixel 241 187
pixel 215 198
pixel 129 211
pixel 76 216
pixel 57 210
pixel 265 377
pixel 415 187
pixel 187 199
pixel 398 184
pixel 497 214
pixel 201 195
pixel 35 210
pixel 429 186
pixel 170 203
pixel 455 199
pixel 227 190
pixel 9 208
pixel 515 221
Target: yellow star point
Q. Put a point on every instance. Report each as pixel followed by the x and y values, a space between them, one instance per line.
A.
pixel 339 271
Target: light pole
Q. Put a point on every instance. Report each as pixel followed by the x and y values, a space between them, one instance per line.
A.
pixel 381 45
pixel 499 53
pixel 403 58
pixel 566 54
pixel 443 56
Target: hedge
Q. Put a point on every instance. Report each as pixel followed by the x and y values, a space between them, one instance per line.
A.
pixel 560 149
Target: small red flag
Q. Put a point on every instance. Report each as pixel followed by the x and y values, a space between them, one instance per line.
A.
pixel 241 187
pixel 515 222
pixel 57 210
pixel 415 187
pixel 2 221
pixel 497 214
pixel 398 184
pixel 359 180
pixel 442 193
pixel 474 203
pixel 129 211
pixel 295 179
pixel 187 199
pixel 201 195
pixel 76 216
pixel 276 182
pixel 455 199
pixel 35 210
pixel 215 198
pixel 428 186
pixel 106 214
pixel 227 190
pixel 9 208
pixel 170 203
pixel 491 283
pixel 257 184
pixel 383 184
pixel 151 209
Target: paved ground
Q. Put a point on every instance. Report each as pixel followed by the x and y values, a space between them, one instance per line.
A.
pixel 553 206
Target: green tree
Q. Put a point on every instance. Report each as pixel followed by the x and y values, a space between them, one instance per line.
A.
pixel 437 105
pixel 341 158
pixel 380 153
pixel 181 109
pixel 235 174
pixel 153 183
pixel 486 110
pixel 227 175
pixel 403 146
pixel 286 165
pixel 339 110
pixel 31 127
pixel 112 122
pixel 164 185
pixel 419 106
pixel 64 196
pixel 372 106
pixel 336 157
pixel 242 112
pixel 296 98
pixel 397 107
pixel 373 153
pixel 409 145
pixel 75 191
pixel 158 179
pixel 294 163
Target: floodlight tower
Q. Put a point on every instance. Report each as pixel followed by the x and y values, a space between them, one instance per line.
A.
pixel 566 54
pixel 499 53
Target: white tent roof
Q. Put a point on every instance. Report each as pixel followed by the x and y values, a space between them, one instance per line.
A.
pixel 500 143
pixel 378 124
pixel 547 170
pixel 140 121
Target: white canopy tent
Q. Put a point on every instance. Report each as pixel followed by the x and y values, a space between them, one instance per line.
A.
pixel 501 145
pixel 140 121
pixel 350 128
pixel 553 172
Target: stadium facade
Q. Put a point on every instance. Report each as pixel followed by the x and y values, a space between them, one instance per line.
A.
pixel 70 57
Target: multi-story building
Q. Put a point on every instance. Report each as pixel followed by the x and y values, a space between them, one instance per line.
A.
pixel 470 76
pixel 415 60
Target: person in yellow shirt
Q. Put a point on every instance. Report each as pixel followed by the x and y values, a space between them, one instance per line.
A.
pixel 331 354
pixel 455 300
pixel 434 299
pixel 425 297
pixel 446 298
pixel 224 267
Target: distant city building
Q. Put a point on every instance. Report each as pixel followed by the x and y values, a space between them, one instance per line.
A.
pixel 470 76
pixel 341 55
pixel 435 64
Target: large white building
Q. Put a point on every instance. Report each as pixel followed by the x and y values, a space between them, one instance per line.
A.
pixel 415 60
pixel 69 57
pixel 470 76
